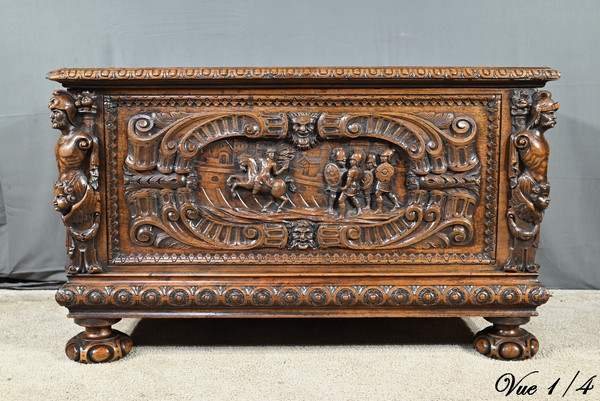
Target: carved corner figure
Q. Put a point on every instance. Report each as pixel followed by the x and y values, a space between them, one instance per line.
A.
pixel 528 167
pixel 75 192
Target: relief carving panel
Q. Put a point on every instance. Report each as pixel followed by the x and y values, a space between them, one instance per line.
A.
pixel 299 180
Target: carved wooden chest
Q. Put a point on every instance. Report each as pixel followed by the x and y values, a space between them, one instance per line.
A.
pixel 293 192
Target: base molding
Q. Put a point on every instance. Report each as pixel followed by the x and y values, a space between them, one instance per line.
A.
pixel 200 295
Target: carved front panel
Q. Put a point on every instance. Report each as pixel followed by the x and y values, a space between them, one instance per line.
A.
pixel 302 179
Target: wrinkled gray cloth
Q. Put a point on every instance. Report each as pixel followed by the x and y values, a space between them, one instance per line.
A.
pixel 2 208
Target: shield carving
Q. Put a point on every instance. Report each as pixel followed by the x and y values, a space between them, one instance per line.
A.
pixel 366 181
pixel 385 172
pixel 332 175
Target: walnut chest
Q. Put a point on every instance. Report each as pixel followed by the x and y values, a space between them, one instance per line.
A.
pixel 302 192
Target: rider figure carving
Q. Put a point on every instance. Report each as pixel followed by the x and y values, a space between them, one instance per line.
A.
pixel 268 170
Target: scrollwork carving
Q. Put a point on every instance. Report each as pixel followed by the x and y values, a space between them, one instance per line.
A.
pixel 76 194
pixel 533 114
pixel 410 180
pixel 435 150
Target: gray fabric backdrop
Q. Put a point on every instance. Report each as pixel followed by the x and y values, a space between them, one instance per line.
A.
pixel 36 37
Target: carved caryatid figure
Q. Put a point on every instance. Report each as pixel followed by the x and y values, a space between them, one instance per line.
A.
pixel 261 176
pixel 385 174
pixel 76 196
pixel 528 157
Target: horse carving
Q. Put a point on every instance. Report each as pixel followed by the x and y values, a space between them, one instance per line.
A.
pixel 261 176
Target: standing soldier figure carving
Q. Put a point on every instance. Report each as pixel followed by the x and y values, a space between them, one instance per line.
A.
pixel 368 178
pixel 352 187
pixel 334 175
pixel 385 174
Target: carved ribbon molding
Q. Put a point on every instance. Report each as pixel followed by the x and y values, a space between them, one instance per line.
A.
pixel 171 208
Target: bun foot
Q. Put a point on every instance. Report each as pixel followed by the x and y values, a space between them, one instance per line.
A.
pixel 506 341
pixel 98 343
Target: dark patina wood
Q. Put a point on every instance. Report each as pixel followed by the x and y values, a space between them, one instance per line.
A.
pixel 292 192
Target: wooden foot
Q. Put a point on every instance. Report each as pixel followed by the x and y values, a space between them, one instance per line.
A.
pixel 506 341
pixel 98 343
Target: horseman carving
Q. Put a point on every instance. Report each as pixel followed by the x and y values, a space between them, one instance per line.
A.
pixel 261 176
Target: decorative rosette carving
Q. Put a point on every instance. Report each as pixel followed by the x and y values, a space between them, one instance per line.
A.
pixel 151 298
pixel 456 296
pixel 179 297
pixel 373 297
pixel 428 296
pixel 123 297
pixel 345 297
pixel 401 296
pixel 95 297
pixel 289 297
pixel 207 297
pixel 234 297
pixel 311 296
pixel 318 297
pixel 262 297
pixel 482 296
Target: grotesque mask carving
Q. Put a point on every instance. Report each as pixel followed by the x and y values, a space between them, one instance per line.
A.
pixel 302 235
pixel 302 130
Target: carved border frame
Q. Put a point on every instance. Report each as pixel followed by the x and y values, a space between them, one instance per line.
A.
pixel 492 103
pixel 321 73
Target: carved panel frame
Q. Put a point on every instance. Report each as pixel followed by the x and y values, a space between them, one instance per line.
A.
pixel 490 102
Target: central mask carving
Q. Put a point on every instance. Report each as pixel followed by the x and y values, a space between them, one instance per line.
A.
pixel 302 235
pixel 302 130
